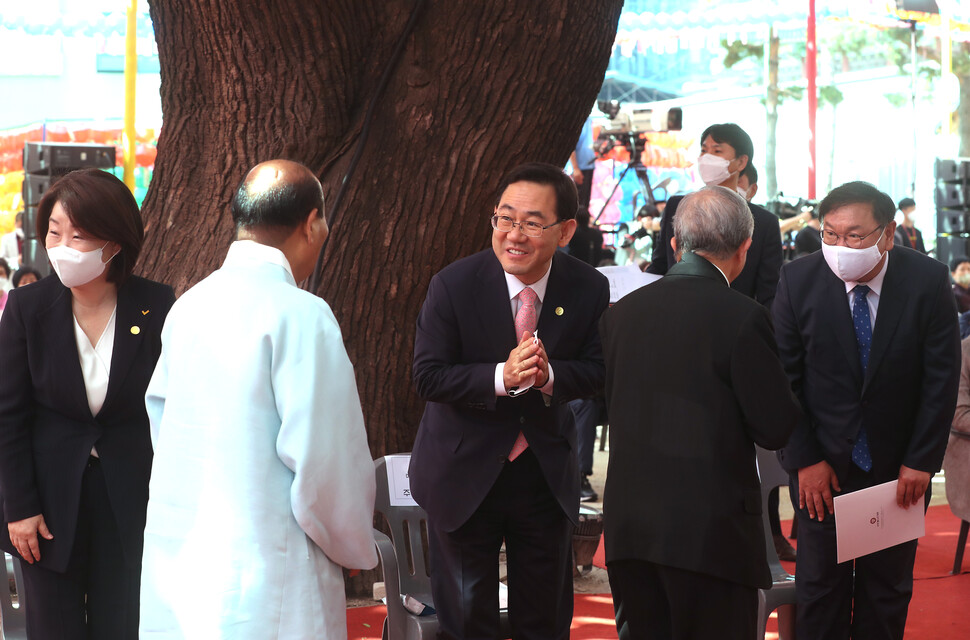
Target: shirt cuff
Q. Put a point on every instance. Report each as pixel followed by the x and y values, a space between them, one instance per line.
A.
pixel 500 381
pixel 547 387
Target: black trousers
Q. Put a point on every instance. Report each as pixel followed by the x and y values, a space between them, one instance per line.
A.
pixel 521 510
pixel 97 597
pixel 866 598
pixel 656 602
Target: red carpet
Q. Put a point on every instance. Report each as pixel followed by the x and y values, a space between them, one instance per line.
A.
pixel 938 609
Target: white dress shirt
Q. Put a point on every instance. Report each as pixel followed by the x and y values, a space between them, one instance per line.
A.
pixel 875 291
pixel 96 363
pixel 515 287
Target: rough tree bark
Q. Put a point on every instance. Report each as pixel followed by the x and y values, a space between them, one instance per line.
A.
pixel 481 87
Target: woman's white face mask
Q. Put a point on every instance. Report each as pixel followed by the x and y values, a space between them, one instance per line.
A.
pixel 76 268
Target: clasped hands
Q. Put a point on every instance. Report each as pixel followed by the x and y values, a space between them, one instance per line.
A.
pixel 527 359
pixel 23 536
pixel 817 482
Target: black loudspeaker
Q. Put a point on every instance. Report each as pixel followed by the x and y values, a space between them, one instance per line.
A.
pixel 35 184
pixel 951 195
pixel 923 6
pixel 952 246
pixel 58 158
pixel 952 221
pixel 952 169
pixel 36 256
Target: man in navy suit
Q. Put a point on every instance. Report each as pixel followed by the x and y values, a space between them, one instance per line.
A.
pixel 868 335
pixel 506 337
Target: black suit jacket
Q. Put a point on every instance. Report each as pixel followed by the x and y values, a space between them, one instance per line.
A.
pixel 46 426
pixel 682 488
pixel 464 329
pixel 759 278
pixel 907 397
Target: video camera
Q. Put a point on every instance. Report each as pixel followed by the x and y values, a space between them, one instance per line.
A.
pixel 785 207
pixel 625 129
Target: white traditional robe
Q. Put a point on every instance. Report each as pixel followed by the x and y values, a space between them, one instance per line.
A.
pixel 262 483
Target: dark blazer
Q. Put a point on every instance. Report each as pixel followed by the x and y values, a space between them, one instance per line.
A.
pixel 464 329
pixel 682 487
pixel 46 426
pixel 759 278
pixel 903 239
pixel 907 398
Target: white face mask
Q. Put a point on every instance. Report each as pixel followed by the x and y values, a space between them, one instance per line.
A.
pixel 851 264
pixel 742 193
pixel 76 268
pixel 713 169
pixel 4 283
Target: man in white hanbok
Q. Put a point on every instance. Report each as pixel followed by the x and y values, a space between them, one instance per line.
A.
pixel 262 484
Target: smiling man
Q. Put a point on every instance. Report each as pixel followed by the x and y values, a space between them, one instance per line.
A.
pixel 506 337
pixel 868 335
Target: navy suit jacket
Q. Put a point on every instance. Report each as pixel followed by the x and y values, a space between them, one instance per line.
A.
pixel 759 278
pixel 908 395
pixel 46 426
pixel 464 329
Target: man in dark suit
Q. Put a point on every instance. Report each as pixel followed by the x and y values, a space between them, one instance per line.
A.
pixel 685 546
pixel 725 151
pixel 868 334
pixel 506 337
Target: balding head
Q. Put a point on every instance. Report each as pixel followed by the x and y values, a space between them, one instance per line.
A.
pixel 714 221
pixel 276 197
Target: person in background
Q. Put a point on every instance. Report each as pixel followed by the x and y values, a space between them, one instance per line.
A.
pixel 685 547
pixel 960 272
pixel 12 244
pixel 869 338
pixel 725 151
pixel 24 276
pixel 76 354
pixel 263 484
pixel 907 235
pixel 582 160
pixel 748 182
pixel 587 243
pixel 5 285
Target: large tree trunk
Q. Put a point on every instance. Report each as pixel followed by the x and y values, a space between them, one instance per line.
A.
pixel 771 116
pixel 482 86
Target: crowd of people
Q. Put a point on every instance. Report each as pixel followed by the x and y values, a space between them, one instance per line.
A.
pixel 199 467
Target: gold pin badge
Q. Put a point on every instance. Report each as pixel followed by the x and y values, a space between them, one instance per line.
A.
pixel 559 311
pixel 145 312
pixel 135 330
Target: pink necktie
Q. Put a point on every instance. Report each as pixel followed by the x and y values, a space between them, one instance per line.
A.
pixel 525 320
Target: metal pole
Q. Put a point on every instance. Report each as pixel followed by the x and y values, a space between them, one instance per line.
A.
pixel 912 91
pixel 812 71
pixel 131 72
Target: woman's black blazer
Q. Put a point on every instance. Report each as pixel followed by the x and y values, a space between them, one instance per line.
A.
pixel 46 427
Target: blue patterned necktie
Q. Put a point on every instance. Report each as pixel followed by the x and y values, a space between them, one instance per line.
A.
pixel 862 322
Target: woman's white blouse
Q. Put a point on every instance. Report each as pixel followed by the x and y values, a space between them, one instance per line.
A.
pixel 96 363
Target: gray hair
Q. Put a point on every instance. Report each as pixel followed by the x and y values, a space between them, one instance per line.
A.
pixel 713 220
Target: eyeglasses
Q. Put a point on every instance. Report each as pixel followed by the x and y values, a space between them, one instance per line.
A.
pixel 532 229
pixel 851 240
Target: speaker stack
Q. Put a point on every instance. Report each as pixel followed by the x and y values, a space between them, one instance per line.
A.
pixel 952 208
pixel 44 163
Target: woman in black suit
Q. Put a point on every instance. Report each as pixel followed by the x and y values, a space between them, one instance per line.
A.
pixel 76 354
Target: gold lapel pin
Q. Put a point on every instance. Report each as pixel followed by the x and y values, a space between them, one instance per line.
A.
pixel 145 312
pixel 560 311
pixel 135 330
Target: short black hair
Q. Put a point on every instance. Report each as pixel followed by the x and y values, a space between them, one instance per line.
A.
pixel 859 192
pixel 906 203
pixel 21 272
pixel 751 173
pixel 284 205
pixel 956 262
pixel 567 200
pixel 732 134
pixel 99 204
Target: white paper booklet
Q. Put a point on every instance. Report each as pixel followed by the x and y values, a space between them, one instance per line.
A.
pixel 869 520
pixel 625 279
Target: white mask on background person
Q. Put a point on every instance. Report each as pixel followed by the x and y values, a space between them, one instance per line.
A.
pixel 4 284
pixel 851 264
pixel 713 169
pixel 963 280
pixel 76 268
pixel 743 193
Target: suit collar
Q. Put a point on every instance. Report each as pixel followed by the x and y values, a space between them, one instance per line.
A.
pixel 133 314
pixel 891 304
pixel 57 325
pixel 692 264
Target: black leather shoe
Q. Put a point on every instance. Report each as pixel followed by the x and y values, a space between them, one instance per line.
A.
pixel 785 551
pixel 586 493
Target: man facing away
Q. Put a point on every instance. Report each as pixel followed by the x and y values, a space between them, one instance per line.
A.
pixel 262 484
pixel 868 335
pixel 726 151
pixel 685 545
pixel 506 337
